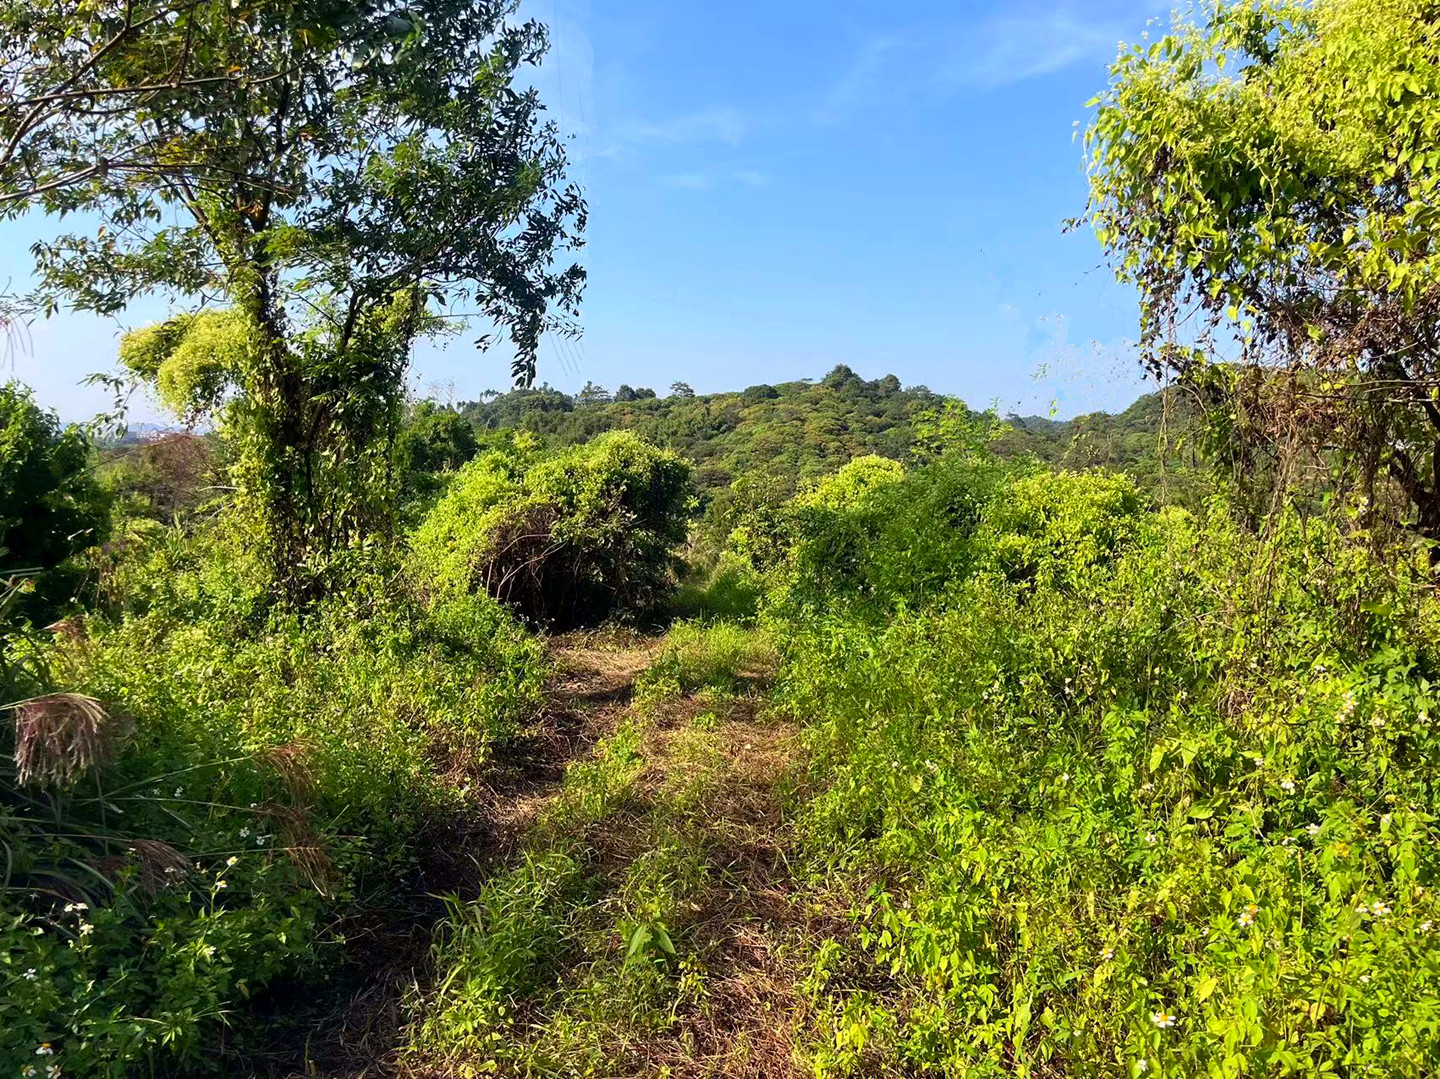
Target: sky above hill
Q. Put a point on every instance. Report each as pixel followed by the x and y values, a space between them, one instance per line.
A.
pixel 778 188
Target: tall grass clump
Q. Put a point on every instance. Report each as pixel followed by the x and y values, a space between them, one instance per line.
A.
pixel 1132 792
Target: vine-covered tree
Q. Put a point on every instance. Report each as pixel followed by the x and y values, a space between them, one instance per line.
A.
pixel 327 180
pixel 1274 173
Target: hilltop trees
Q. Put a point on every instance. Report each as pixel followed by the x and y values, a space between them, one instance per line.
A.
pixel 1274 174
pixel 330 179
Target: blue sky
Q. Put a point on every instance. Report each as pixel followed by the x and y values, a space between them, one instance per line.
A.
pixel 775 188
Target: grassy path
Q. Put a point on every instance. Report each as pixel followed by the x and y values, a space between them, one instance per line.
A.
pixel 638 919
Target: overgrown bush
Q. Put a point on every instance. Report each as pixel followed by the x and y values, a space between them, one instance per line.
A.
pixel 253 773
pixel 874 537
pixel 51 508
pixel 1136 793
pixel 565 539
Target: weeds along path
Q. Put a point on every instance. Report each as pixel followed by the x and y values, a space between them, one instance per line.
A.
pixel 641 920
pixel 359 1029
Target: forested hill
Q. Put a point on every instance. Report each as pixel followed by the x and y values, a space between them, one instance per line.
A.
pixel 796 431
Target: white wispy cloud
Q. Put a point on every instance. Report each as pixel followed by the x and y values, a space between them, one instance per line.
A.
pixel 692 181
pixel 1010 45
pixel 715 124
pixel 1014 46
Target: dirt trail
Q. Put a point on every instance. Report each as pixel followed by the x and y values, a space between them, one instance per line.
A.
pixel 589 689
pixel 715 780
pixel 588 692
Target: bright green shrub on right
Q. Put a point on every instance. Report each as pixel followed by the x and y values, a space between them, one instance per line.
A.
pixel 1139 794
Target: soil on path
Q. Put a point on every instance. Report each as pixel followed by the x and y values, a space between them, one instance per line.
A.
pixel 357 1032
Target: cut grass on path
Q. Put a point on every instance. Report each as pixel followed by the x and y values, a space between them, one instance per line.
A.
pixel 644 922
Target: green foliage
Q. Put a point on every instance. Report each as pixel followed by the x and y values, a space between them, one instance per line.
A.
pixel 163 479
pixel 51 508
pixel 1135 793
pixel 720 656
pixel 258 773
pixel 433 439
pixel 568 538
pixel 192 360
pixel 1273 170
pixel 259 181
pixel 874 537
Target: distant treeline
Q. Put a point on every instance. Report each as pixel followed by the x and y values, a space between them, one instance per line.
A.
pixel 795 432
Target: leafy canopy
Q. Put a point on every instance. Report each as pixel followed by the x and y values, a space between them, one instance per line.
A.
pixel 331 180
pixel 1274 172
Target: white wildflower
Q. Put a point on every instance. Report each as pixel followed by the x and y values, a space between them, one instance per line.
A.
pixel 1162 1019
pixel 31 974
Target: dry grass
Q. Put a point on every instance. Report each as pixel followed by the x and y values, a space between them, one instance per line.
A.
pixel 60 736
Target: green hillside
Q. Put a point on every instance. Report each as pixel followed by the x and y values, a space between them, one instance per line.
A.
pixel 796 432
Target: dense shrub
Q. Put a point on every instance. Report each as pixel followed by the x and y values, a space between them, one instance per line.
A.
pixel 565 539
pixel 1138 793
pixel 51 508
pixel 255 773
pixel 873 537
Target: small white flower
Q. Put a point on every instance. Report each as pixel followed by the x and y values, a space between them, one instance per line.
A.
pixel 1162 1019
pixel 1287 784
pixel 1425 926
pixel 1379 909
pixel 1141 1064
pixel 244 833
pixel 208 951
pixel 1107 954
pixel 1312 829
pixel 31 974
pixel 179 792
pixel 1065 778
pixel 1362 909
pixel 1151 838
pixel 1385 818
pixel 86 929
pixel 1247 916
pixel 1147 787
pixel 231 860
pixel 260 840
pixel 45 1050
pixel 1365 978
pixel 52 1071
pixel 221 884
pixel 1260 761
pixel 28 1071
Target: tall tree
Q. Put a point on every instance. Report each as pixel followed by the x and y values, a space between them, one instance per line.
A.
pixel 329 178
pixel 1272 175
